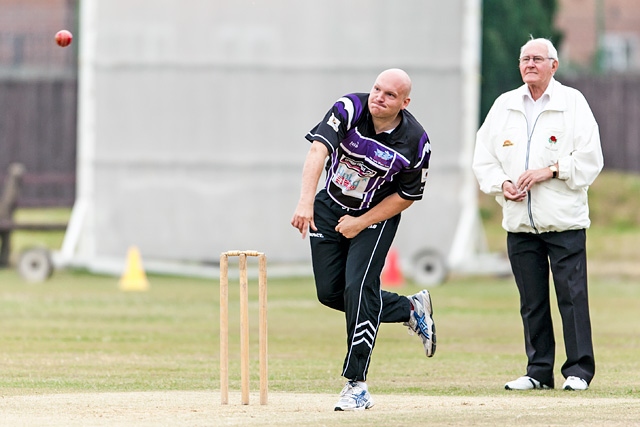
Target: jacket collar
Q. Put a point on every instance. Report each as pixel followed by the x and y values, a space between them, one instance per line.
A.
pixel 557 100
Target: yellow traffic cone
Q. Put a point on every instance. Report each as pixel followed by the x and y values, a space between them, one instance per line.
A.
pixel 134 277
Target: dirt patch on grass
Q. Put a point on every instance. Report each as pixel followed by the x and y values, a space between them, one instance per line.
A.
pixel 285 409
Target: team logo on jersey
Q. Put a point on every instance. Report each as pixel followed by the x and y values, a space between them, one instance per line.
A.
pixel 382 157
pixel 334 122
pixel 383 154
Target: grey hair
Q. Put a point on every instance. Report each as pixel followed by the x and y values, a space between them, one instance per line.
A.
pixel 551 49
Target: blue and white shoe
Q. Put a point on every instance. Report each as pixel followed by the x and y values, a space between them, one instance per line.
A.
pixel 354 398
pixel 421 321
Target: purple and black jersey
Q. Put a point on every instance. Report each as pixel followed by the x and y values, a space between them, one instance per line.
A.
pixel 365 167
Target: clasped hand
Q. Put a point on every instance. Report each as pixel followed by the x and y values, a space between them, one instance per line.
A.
pixel 518 192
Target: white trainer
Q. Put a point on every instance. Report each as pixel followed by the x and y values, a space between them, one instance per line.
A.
pixel 354 398
pixel 421 321
pixel 525 383
pixel 575 383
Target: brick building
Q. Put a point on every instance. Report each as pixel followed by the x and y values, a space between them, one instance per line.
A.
pixel 27 30
pixel 602 35
pixel 38 98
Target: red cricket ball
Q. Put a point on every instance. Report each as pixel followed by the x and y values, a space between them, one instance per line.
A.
pixel 64 38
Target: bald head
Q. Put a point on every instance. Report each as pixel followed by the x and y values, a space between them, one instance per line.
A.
pixel 398 78
pixel 389 95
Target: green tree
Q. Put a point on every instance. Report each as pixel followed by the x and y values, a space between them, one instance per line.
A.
pixel 506 26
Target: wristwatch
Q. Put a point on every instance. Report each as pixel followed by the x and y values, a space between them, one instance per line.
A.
pixel 554 170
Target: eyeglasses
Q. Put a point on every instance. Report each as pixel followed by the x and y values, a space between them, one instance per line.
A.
pixel 536 59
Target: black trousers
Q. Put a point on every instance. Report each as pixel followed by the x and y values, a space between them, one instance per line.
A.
pixel 347 275
pixel 531 255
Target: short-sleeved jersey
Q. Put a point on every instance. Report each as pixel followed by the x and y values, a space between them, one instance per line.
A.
pixel 365 167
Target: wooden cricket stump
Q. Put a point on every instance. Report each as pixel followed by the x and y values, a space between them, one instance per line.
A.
pixel 244 324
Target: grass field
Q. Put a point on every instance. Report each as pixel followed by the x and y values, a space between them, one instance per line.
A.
pixel 78 333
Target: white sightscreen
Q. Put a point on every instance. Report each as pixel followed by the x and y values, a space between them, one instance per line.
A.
pixel 192 116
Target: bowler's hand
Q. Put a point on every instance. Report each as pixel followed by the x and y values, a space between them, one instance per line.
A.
pixel 511 192
pixel 303 219
pixel 350 226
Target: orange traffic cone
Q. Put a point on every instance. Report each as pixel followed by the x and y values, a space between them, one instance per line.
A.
pixel 392 273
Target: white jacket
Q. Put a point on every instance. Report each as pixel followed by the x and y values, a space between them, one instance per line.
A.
pixel 564 132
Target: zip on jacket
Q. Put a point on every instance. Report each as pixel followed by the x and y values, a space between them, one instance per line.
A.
pixel 526 167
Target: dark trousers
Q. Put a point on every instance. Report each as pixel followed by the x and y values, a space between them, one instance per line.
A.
pixel 531 255
pixel 347 275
